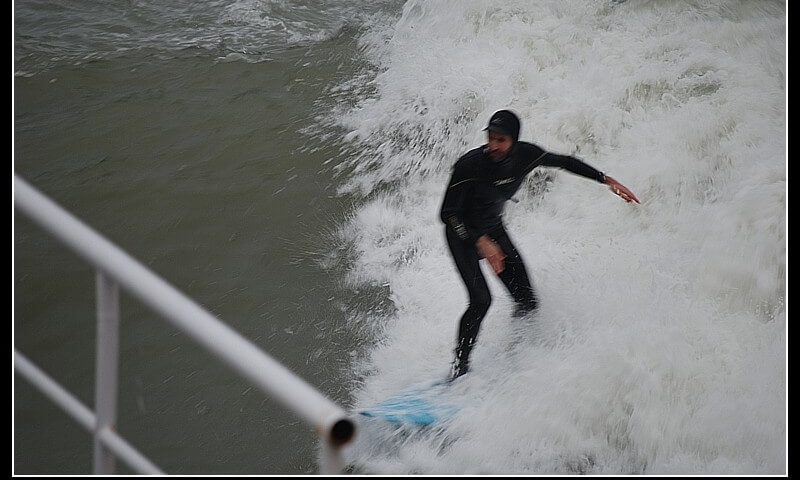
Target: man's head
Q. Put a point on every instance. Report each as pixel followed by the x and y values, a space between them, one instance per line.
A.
pixel 503 133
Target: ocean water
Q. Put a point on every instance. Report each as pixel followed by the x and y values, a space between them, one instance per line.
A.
pixel 284 163
pixel 660 344
pixel 187 134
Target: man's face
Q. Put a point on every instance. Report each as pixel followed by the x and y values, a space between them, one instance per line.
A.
pixel 499 145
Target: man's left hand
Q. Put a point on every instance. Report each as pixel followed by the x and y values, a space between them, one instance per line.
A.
pixel 621 190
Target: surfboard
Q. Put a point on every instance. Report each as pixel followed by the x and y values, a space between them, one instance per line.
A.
pixel 417 405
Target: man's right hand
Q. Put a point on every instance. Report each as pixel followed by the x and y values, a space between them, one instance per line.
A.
pixel 491 251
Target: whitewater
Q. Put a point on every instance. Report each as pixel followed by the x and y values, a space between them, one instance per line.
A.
pixel 660 342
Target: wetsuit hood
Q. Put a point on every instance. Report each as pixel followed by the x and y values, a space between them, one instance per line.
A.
pixel 505 122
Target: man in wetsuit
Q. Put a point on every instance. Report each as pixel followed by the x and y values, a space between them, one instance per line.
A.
pixel 483 179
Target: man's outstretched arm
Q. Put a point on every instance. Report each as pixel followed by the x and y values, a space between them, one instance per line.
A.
pixel 583 169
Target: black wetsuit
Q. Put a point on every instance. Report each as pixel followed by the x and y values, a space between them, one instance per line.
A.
pixel 473 206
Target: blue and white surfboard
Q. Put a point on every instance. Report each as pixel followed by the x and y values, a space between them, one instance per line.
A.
pixel 419 405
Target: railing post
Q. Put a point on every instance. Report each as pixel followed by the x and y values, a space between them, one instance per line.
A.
pixel 85 417
pixel 330 458
pixel 106 370
pixel 117 269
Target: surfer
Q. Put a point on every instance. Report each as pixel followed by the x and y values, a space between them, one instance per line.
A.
pixel 483 180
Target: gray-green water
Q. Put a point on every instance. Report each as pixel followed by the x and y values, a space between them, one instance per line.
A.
pixel 187 135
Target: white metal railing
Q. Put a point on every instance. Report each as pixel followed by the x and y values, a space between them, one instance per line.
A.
pixel 83 415
pixel 116 268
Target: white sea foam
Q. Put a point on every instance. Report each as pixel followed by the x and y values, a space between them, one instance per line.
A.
pixel 660 343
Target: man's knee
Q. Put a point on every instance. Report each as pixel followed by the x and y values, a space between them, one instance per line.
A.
pixel 480 304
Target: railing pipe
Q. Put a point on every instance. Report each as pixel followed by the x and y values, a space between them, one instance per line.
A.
pixel 78 411
pixel 116 268
pixel 270 376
